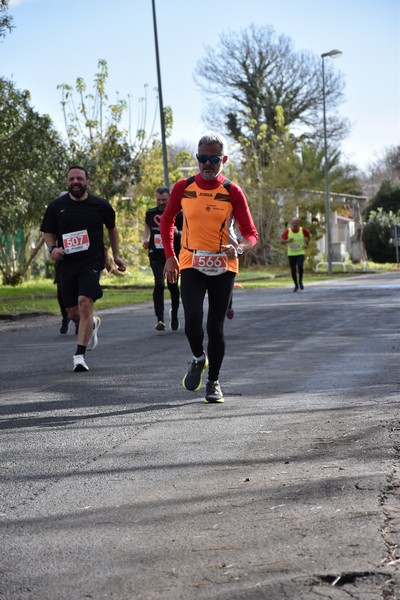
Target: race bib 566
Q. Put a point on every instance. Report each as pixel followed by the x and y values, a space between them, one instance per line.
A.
pixel 210 263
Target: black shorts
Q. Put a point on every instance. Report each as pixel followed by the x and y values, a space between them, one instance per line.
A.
pixel 75 282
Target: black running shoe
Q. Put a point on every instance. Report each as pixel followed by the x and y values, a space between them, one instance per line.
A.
pixel 174 322
pixel 192 379
pixel 64 326
pixel 213 393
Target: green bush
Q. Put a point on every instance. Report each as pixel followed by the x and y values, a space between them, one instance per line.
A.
pixel 383 213
pixel 377 241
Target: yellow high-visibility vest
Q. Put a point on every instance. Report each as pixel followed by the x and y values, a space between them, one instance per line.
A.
pixel 296 246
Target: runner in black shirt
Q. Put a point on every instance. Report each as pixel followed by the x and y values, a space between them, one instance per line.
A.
pixel 152 241
pixel 73 231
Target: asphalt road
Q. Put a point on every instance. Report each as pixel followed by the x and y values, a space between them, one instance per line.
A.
pixel 118 484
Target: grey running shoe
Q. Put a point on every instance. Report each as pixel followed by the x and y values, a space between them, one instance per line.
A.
pixel 192 379
pixel 213 393
pixel 160 326
pixel 79 363
pixel 174 322
pixel 93 338
pixel 296 287
pixel 301 286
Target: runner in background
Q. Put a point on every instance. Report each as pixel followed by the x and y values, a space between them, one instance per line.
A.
pixel 153 243
pixel 296 239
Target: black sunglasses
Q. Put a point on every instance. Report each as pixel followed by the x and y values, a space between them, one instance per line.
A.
pixel 203 158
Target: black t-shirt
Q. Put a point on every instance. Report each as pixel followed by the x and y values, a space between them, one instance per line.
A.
pixel 84 219
pixel 156 250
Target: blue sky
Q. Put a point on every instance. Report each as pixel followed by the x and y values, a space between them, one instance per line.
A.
pixel 56 41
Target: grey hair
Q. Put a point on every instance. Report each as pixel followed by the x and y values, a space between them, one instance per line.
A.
pixel 211 138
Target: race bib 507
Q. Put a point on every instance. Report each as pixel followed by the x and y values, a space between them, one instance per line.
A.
pixel 76 241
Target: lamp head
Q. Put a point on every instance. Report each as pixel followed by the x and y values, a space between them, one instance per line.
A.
pixel 332 54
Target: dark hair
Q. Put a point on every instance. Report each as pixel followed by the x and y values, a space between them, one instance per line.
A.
pixel 80 168
pixel 162 189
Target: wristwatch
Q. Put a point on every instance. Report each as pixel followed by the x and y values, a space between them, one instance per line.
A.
pixel 239 251
pixel 51 248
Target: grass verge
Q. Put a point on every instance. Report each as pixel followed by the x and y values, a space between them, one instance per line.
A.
pixel 39 295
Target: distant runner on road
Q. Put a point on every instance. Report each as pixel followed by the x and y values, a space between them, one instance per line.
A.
pixel 296 239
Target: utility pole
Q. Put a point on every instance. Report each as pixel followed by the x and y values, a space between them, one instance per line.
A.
pixel 160 99
pixel 332 53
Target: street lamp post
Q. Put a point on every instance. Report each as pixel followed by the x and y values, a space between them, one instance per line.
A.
pixel 160 98
pixel 331 53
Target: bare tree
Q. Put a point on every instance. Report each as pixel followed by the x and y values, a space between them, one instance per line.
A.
pixel 384 168
pixel 252 72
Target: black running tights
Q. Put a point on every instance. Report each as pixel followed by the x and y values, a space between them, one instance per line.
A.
pixel 194 286
pixel 157 267
pixel 296 261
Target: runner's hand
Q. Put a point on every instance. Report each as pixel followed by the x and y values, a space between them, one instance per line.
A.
pixel 229 250
pixel 171 269
pixel 120 263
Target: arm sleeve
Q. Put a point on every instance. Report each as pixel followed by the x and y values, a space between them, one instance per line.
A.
pixel 285 234
pixel 168 217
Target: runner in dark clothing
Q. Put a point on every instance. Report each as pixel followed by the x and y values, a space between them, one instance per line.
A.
pixel 153 243
pixel 73 231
